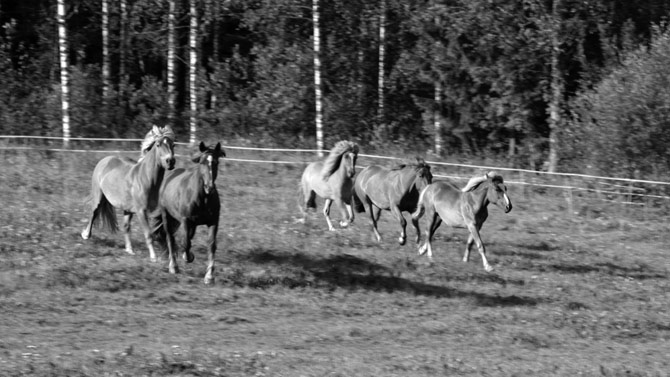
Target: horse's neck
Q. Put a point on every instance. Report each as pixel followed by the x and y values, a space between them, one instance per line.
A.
pixel 150 169
pixel 480 199
pixel 407 180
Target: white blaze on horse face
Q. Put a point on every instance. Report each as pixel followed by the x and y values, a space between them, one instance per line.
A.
pixel 210 162
pixel 507 201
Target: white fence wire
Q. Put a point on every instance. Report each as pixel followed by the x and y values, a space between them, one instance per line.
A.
pixel 628 190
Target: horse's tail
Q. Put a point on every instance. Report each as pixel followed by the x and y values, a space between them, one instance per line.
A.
pixel 107 214
pixel 420 205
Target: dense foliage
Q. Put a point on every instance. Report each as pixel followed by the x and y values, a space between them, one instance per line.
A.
pixel 490 60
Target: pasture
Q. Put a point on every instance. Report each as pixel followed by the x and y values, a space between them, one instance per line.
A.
pixel 571 293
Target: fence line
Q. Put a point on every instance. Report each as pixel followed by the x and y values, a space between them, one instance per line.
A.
pixel 437 163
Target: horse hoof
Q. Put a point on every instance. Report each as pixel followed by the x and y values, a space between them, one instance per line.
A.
pixel 85 235
pixel 344 224
pixel 189 257
pixel 401 241
pixel 130 251
pixel 488 269
pixel 209 281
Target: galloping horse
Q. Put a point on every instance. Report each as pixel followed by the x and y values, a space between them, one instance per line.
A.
pixel 131 186
pixel 332 180
pixel 394 190
pixel 189 197
pixel 461 208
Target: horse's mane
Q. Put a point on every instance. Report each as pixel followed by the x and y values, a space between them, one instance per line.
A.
pixel 154 135
pixel 332 162
pixel 474 182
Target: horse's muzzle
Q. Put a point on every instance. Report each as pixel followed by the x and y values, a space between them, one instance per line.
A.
pixel 169 162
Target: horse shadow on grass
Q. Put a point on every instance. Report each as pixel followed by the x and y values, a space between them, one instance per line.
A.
pixel 351 272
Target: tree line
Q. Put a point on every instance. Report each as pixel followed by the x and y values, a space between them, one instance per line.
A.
pixel 575 85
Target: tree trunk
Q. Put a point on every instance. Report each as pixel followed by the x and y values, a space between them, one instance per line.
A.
pixel 123 43
pixel 106 75
pixel 193 70
pixel 556 88
pixel 171 54
pixel 64 75
pixel 317 78
pixel 437 118
pixel 380 80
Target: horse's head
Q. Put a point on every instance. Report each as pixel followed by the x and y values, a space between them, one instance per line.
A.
pixel 165 152
pixel 342 156
pixel 161 141
pixel 349 163
pixel 423 175
pixel 208 164
pixel 497 191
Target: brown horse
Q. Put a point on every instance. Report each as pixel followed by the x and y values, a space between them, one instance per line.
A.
pixel 131 186
pixel 332 180
pixel 395 190
pixel 462 208
pixel 189 197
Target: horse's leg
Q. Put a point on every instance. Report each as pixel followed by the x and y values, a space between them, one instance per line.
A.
pixel 375 212
pixel 474 234
pixel 96 196
pixel 173 268
pixel 435 222
pixel 326 212
pixel 209 276
pixel 415 223
pixel 189 232
pixel 86 233
pixel 345 211
pixel 403 223
pixel 127 218
pixel 144 223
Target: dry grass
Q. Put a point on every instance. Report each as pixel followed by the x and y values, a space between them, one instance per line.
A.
pixel 571 293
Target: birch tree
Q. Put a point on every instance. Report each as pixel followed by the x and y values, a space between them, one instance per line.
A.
pixel 64 74
pixel 106 76
pixel 171 56
pixel 193 69
pixel 317 78
pixel 380 79
pixel 556 87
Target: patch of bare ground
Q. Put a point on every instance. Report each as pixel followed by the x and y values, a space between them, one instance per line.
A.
pixel 569 294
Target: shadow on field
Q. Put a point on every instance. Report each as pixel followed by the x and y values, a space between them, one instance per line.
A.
pixel 351 272
pixel 639 272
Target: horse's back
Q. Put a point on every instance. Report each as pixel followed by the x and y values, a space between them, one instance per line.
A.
pixel 447 200
pixel 110 176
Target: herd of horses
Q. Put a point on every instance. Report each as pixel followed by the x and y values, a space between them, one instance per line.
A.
pixel 166 199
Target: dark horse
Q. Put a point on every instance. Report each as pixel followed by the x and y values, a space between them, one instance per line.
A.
pixel 394 190
pixel 131 186
pixel 332 180
pixel 462 208
pixel 189 197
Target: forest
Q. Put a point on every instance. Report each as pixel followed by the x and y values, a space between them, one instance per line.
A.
pixel 558 85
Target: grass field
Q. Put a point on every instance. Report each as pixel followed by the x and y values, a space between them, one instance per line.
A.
pixel 572 293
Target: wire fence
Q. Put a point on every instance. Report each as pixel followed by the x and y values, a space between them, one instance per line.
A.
pixel 607 189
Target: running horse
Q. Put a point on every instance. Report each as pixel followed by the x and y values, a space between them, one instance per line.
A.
pixel 188 197
pixel 395 190
pixel 462 208
pixel 331 179
pixel 133 187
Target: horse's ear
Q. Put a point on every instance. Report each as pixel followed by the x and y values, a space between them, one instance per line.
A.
pixel 220 150
pixel 202 147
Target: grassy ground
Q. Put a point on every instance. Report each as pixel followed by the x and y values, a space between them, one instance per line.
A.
pixel 572 293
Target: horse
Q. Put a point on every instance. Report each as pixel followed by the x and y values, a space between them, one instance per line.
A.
pixel 188 197
pixel 119 182
pixel 331 179
pixel 462 208
pixel 394 190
